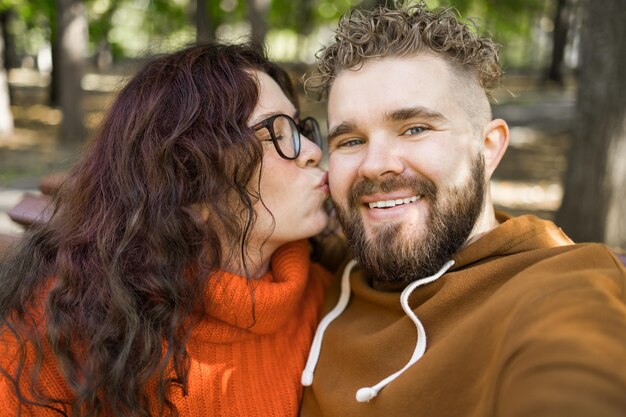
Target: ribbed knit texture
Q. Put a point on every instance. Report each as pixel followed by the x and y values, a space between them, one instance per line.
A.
pixel 248 352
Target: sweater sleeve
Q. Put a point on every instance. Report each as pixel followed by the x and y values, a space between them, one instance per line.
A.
pixel 8 356
pixel 8 403
pixel 51 383
pixel 566 348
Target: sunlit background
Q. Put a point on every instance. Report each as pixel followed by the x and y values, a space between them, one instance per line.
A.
pixel 106 40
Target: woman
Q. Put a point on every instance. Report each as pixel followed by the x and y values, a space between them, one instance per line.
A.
pixel 173 277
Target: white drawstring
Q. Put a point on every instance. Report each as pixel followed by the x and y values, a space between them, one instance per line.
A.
pixel 316 346
pixel 367 393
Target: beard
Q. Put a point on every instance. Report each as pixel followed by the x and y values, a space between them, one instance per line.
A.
pixel 392 257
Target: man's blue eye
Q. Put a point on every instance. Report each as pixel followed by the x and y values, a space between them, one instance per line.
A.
pixel 350 143
pixel 415 130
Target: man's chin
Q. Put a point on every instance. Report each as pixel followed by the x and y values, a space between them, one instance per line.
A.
pixel 393 233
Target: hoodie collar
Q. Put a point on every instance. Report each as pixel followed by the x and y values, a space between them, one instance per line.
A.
pixel 513 235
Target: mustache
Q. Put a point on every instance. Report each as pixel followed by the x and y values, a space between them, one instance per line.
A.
pixel 363 186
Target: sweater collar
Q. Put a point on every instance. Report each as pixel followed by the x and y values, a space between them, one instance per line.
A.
pixel 238 308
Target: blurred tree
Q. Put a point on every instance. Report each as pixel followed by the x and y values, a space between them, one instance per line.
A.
pixel 7 54
pixel 162 18
pixel 100 25
pixel 594 201
pixel 7 17
pixel 6 117
pixel 370 4
pixel 205 31
pixel 257 15
pixel 508 21
pixel 559 40
pixel 303 16
pixel 71 46
pixel 37 13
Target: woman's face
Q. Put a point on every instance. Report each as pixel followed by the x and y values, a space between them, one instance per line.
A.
pixel 292 191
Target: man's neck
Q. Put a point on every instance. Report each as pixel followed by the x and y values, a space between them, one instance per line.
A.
pixel 485 223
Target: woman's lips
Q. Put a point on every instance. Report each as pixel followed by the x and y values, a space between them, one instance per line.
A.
pixel 323 184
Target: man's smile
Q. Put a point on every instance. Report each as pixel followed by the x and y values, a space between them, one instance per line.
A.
pixel 393 202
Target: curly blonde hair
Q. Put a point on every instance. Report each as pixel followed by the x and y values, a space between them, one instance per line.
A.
pixel 406 30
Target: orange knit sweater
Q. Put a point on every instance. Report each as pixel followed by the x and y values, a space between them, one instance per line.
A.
pixel 249 351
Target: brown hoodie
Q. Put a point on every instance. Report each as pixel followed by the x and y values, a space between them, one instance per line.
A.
pixel 524 324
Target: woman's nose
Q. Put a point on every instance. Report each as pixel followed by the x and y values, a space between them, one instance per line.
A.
pixel 310 153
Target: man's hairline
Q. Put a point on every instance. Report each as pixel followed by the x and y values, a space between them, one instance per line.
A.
pixel 456 69
pixel 457 75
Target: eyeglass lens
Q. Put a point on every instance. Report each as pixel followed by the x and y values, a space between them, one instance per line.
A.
pixel 287 136
pixel 311 130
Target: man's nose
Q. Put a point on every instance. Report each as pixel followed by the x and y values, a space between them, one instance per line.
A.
pixel 382 158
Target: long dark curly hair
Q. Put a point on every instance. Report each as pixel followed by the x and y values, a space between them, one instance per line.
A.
pixel 112 283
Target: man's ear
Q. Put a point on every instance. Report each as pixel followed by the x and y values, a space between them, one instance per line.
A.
pixel 495 142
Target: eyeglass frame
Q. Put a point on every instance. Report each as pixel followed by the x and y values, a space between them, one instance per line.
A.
pixel 269 125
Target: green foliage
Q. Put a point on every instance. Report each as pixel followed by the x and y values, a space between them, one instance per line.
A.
pixel 32 12
pixel 131 25
pixel 510 22
pixel 165 15
pixel 34 23
pixel 303 15
pixel 100 15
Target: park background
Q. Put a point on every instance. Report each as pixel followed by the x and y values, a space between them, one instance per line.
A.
pixel 564 91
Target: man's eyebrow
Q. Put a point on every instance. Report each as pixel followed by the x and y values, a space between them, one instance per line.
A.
pixel 340 129
pixel 414 112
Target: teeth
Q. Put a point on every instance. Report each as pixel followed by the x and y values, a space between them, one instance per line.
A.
pixel 393 203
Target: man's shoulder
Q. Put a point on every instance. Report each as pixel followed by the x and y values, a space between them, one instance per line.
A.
pixel 620 255
pixel 572 272
pixel 588 256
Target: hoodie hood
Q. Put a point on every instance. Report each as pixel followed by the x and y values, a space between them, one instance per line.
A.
pixel 514 235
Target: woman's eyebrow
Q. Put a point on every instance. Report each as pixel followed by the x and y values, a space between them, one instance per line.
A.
pixel 262 117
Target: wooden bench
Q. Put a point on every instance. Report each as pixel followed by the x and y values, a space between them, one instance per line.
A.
pixel 35 208
pixel 32 208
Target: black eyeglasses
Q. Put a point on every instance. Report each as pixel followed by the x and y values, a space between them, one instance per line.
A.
pixel 285 133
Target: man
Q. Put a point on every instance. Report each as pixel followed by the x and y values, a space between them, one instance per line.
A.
pixel 498 316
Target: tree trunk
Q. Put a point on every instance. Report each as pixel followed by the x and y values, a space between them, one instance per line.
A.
pixel 594 201
pixel 559 41
pixel 6 117
pixel 10 56
pixel 72 47
pixel 304 17
pixel 257 14
pixel 205 27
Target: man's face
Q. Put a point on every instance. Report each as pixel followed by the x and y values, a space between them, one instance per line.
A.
pixel 406 170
